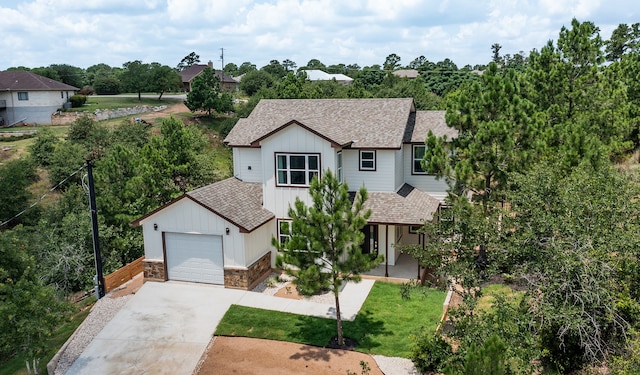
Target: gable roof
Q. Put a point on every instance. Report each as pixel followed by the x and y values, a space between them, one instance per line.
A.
pixel 429 120
pixel 408 206
pixel 356 123
pixel 189 73
pixel 23 80
pixel 238 202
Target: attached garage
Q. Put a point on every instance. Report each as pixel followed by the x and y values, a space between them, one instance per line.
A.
pixel 194 258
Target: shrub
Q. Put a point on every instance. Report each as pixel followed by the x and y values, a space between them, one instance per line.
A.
pixel 226 126
pixel 430 352
pixel 78 100
pixel 86 91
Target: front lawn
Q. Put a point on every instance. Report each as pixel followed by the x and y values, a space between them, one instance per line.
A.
pixel 383 326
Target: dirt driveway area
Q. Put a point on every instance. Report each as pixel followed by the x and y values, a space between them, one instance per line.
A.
pixel 242 355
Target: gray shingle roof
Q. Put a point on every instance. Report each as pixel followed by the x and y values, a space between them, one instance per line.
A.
pixel 430 120
pixel 23 80
pixel 235 201
pixel 408 206
pixel 368 123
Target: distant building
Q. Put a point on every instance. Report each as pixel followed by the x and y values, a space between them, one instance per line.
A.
pixel 319 75
pixel 191 72
pixel 31 98
pixel 407 73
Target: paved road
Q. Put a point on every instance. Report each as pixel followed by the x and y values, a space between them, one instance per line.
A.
pixel 165 327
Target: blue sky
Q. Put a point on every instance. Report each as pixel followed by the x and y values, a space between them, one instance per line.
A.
pixel 86 32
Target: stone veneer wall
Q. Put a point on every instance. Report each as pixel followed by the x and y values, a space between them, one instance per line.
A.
pixel 153 270
pixel 249 277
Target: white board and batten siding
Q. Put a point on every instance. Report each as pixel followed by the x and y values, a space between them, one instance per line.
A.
pixel 247 164
pixel 427 183
pixel 382 179
pixel 292 139
pixel 186 216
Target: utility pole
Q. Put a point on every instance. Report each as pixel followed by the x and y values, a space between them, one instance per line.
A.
pixel 222 58
pixel 99 279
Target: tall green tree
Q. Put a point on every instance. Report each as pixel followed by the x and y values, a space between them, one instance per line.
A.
pixel 255 80
pixel 29 310
pixel 497 134
pixel 323 251
pixel 207 95
pixel 135 77
pixel 189 60
pixel 392 62
pixel 163 78
pixel 15 178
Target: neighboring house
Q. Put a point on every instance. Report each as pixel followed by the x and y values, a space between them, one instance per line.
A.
pixel 221 233
pixel 189 73
pixel 319 75
pixel 31 98
pixel 407 73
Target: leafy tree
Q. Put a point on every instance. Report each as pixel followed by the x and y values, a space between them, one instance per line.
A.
pixel 276 69
pixel 163 78
pixel 323 251
pixel 292 87
pixel 495 49
pixel 108 85
pixel 580 267
pixel 314 64
pixel 43 146
pixel 255 80
pixel 369 78
pixel 246 67
pixel 30 311
pixel 207 95
pixel 187 61
pixel 135 77
pixel 15 178
pixel 71 75
pixel 417 62
pixel 231 70
pixel 92 135
pixel 391 63
pixel 64 164
pixel 98 71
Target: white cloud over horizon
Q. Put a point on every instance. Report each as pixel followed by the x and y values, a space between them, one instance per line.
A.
pixel 43 32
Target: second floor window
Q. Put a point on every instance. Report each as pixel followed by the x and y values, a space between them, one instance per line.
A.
pixel 23 95
pixel 367 160
pixel 296 169
pixel 418 153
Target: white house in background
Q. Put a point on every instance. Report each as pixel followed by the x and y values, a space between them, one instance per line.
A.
pixel 221 233
pixel 31 98
pixel 319 75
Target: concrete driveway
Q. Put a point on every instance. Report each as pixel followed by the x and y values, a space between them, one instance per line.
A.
pixel 163 329
pixel 166 327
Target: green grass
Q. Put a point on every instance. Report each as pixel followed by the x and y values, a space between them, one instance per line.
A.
pixel 116 101
pixel 16 365
pixel 383 326
pixel 490 291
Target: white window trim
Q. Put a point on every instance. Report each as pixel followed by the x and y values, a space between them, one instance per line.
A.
pixel 413 160
pixel 339 167
pixel 282 236
pixel 373 168
pixel 287 170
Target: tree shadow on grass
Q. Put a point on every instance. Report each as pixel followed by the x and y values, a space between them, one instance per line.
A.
pixel 318 332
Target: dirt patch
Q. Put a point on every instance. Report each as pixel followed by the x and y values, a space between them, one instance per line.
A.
pixel 242 355
pixel 288 291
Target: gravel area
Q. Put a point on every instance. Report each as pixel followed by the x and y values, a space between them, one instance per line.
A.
pixel 101 313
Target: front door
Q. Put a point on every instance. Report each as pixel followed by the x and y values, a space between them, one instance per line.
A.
pixel 370 244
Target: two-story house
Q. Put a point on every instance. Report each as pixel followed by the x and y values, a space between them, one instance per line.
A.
pixel 221 233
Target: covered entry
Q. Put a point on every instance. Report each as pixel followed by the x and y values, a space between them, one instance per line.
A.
pixel 194 258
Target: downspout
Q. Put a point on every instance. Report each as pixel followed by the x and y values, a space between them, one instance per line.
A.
pixel 13 108
pixel 386 251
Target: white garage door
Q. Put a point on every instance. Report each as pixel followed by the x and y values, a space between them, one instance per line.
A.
pixel 194 257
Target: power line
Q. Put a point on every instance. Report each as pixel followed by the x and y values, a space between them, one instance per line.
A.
pixel 43 196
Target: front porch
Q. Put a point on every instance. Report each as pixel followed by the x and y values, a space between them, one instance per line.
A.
pixel 405 268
